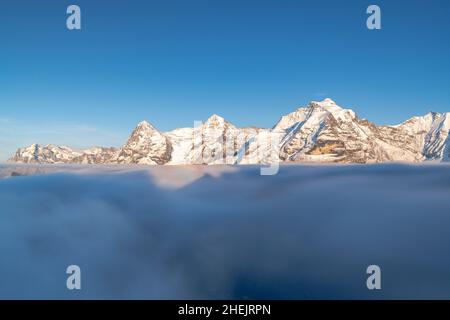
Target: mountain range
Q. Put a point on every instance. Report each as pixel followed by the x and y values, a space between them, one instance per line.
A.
pixel 322 131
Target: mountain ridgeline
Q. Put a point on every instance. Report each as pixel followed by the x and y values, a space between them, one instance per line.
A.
pixel 320 132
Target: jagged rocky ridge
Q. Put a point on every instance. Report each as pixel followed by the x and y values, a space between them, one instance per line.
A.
pixel 320 132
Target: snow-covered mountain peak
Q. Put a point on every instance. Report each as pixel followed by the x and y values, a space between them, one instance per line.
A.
pixel 216 117
pixel 418 123
pixel 215 120
pixel 145 125
pixel 328 100
pixel 146 145
pixel 142 133
pixel 337 111
pixel 325 103
pixel 315 112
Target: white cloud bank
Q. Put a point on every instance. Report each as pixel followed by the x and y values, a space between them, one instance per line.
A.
pixel 308 232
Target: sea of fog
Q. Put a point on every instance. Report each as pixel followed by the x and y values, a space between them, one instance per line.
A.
pixel 308 232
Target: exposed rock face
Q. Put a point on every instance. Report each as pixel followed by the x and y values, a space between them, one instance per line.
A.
pixel 320 132
pixel 146 145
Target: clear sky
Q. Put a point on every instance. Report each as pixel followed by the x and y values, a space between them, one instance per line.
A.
pixel 175 61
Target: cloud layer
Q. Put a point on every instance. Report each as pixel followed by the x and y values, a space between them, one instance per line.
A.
pixel 308 232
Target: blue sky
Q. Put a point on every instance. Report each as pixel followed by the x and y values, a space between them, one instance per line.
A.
pixel 175 61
